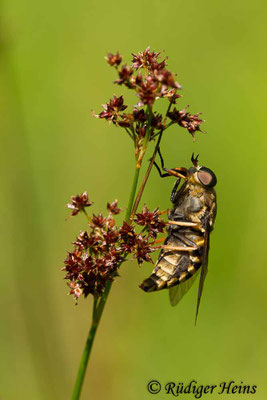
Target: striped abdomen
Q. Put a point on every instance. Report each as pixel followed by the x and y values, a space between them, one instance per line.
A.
pixel 175 266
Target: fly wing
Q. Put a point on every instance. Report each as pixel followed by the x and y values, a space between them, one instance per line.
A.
pixel 176 293
pixel 204 267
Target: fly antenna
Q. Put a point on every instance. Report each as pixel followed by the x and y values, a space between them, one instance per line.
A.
pixel 194 160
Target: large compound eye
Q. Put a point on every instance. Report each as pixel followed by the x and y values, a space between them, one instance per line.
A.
pixel 207 177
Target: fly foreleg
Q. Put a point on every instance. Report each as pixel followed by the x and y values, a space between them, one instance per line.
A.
pixel 174 191
pixel 165 175
pixel 162 175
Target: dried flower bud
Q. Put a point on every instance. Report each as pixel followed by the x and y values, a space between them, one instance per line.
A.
pixel 151 221
pixel 128 234
pixel 124 76
pixel 87 241
pixel 186 120
pixel 98 221
pixel 147 59
pixel 136 80
pixel 78 203
pixel 148 91
pixel 110 237
pixel 113 207
pixel 172 95
pixel 194 123
pixel 139 115
pixel 126 120
pixel 167 79
pixel 143 250
pixel 82 241
pixel 156 121
pixel 112 109
pixel 114 59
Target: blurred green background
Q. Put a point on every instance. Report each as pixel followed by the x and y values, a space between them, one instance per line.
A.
pixel 52 73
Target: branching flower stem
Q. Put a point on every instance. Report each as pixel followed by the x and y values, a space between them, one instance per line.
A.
pixel 99 304
pixel 142 187
pixel 137 168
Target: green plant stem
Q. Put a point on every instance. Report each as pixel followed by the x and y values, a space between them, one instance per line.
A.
pixel 132 194
pixel 99 307
pixel 85 356
pixel 97 313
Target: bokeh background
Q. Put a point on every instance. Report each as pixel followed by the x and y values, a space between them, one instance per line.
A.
pixel 52 73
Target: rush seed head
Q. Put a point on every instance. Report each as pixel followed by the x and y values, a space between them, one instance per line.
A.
pixel 100 250
pixel 151 81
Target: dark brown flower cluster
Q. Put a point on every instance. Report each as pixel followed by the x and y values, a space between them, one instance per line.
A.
pixel 186 120
pixel 151 80
pixel 99 251
pixel 151 221
pixel 112 110
pixel 147 75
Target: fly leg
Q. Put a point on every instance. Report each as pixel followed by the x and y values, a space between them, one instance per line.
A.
pixel 186 224
pixel 175 191
pixel 161 159
pixel 159 171
pixel 164 175
pixel 183 223
pixel 179 248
